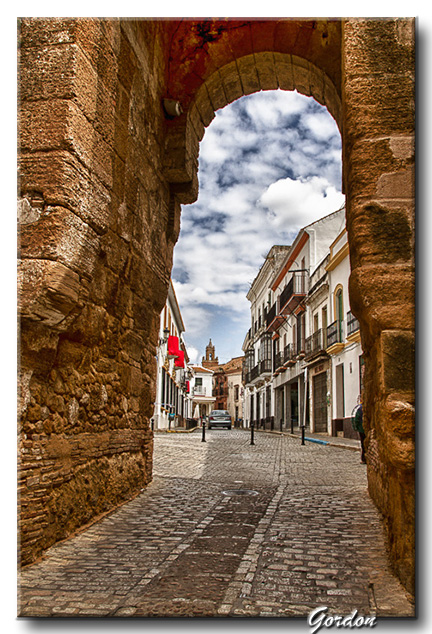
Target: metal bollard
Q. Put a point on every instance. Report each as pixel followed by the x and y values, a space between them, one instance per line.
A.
pixel 281 423
pixel 303 435
pixel 252 442
pixel 203 431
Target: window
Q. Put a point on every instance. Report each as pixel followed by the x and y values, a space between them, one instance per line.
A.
pixel 198 380
pixel 236 392
pixel 339 312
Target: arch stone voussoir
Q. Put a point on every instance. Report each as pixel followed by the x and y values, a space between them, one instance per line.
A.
pixel 231 81
pixel 266 71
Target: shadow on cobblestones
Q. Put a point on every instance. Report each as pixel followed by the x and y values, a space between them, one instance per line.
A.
pixel 310 537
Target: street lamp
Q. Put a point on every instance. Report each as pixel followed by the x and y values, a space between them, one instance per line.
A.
pixel 164 339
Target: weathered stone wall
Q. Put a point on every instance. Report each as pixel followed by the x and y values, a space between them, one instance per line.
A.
pixel 102 176
pixel 379 169
pixel 95 262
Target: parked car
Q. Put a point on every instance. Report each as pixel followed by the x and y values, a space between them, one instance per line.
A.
pixel 219 418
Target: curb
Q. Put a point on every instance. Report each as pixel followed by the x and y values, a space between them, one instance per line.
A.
pixel 316 440
pixel 175 431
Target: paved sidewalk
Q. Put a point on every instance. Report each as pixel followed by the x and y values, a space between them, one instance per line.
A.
pixel 228 529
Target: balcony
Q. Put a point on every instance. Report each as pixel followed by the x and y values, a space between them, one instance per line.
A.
pixel 286 357
pixel 335 333
pixel 274 319
pixel 294 293
pixel 199 390
pixel 263 368
pixel 278 361
pixel 353 325
pixel 316 343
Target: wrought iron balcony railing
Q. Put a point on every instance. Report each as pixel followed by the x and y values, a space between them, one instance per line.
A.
pixel 352 324
pixel 265 366
pixel 316 343
pixel 271 315
pixel 199 390
pixel 334 333
pixel 294 292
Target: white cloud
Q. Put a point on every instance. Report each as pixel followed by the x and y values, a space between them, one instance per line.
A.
pixel 321 125
pixel 296 203
pixel 192 353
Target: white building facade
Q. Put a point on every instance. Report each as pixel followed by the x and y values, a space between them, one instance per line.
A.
pixel 343 341
pixel 200 386
pixel 258 404
pixel 314 374
pixel 297 374
pixel 172 406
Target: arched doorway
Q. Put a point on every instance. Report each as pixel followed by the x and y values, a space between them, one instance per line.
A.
pixel 103 175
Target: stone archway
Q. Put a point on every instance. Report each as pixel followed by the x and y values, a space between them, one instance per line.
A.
pixel 102 176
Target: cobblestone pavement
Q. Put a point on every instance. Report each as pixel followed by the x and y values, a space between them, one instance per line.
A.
pixel 228 529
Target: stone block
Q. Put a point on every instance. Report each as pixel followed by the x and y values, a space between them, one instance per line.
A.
pixel 47 73
pixel 177 164
pixel 216 92
pixel 231 81
pixel 204 106
pixel 387 44
pixel 62 236
pixel 383 297
pixel 317 81
pixel 63 181
pixel 73 354
pixel 49 291
pixel 376 108
pixel 398 185
pixel 379 233
pixel 399 415
pixel 367 160
pixel 44 32
pixel 127 64
pixel 133 344
pixel 195 121
pixel 284 71
pixel 266 71
pixel 89 326
pixel 91 38
pixel 398 361
pixel 248 74
pixel 59 124
pixel 301 73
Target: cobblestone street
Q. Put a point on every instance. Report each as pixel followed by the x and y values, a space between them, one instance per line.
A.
pixel 228 529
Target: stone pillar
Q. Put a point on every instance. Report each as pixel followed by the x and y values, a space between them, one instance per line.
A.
pixel 96 240
pixel 378 154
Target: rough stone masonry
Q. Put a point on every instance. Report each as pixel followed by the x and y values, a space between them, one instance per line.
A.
pixel 102 175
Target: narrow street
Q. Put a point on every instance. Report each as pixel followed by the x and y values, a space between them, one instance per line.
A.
pixel 228 529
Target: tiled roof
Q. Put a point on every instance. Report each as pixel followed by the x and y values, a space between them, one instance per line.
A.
pixel 233 365
pixel 199 368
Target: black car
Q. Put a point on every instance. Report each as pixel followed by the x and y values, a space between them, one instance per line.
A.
pixel 219 418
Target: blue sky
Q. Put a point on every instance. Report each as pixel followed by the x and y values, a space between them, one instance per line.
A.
pixel 270 163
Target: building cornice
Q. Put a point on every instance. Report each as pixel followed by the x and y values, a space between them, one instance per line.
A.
pixel 338 257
